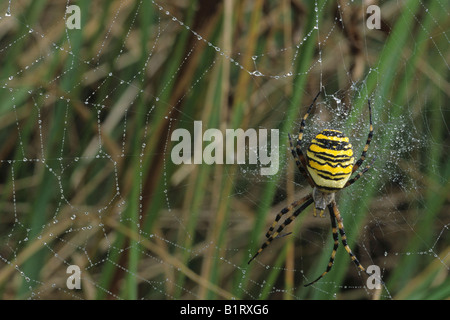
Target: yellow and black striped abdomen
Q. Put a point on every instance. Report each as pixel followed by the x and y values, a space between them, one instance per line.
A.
pixel 330 160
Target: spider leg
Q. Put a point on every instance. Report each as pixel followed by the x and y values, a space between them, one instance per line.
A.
pixel 300 161
pixel 283 212
pixel 302 124
pixel 340 222
pixel 297 152
pixel 366 147
pixel 307 201
pixel 335 246
pixel 359 175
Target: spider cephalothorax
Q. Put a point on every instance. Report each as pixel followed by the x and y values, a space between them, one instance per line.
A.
pixel 328 167
pixel 321 200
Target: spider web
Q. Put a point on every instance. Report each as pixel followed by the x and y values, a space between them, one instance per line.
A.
pixel 87 177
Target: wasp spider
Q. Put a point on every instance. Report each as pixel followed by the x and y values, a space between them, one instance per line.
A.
pixel 328 166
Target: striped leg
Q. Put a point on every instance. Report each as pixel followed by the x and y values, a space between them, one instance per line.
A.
pixel 344 237
pixel 308 200
pixel 302 124
pixel 366 147
pixel 298 154
pixel 335 247
pixel 301 164
pixel 298 150
pixel 359 175
pixel 283 212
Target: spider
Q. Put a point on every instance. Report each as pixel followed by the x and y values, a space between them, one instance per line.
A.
pixel 328 166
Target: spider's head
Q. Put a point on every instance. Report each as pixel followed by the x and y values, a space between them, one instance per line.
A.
pixel 321 200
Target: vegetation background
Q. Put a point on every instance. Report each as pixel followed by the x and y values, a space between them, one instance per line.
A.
pixel 85 170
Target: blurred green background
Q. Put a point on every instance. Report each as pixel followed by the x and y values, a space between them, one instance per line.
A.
pixel 86 177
